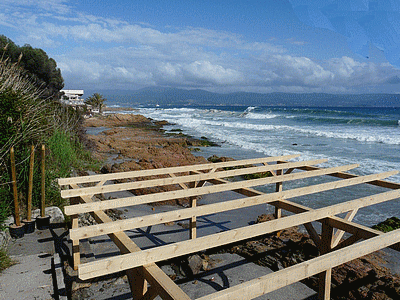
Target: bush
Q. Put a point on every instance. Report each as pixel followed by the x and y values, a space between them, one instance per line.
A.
pixel 26 119
pixel 388 225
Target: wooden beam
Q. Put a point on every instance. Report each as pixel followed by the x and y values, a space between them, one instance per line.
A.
pixel 381 183
pixel 271 282
pixel 164 171
pixel 132 260
pixel 166 287
pixel 129 201
pixel 177 179
pixel 127 224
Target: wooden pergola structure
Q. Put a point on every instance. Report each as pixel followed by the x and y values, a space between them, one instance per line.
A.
pixel 147 280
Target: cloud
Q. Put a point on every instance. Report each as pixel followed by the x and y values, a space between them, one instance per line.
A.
pixel 95 52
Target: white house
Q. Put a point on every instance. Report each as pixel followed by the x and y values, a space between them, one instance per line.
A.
pixel 72 97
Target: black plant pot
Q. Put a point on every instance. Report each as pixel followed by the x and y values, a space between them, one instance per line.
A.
pixel 17 232
pixel 43 222
pixel 29 226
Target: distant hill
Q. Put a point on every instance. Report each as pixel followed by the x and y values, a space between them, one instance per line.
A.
pixel 181 97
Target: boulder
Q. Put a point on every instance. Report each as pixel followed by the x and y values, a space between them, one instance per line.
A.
pixel 4 238
pixel 55 213
pixel 195 263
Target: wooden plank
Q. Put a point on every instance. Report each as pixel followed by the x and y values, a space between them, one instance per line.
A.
pixel 177 179
pixel 166 287
pixel 129 201
pixel 127 224
pixel 164 171
pixel 271 282
pixel 132 260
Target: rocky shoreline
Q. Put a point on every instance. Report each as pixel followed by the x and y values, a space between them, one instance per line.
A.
pixel 134 142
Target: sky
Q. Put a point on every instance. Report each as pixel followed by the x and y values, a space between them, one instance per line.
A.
pixel 303 46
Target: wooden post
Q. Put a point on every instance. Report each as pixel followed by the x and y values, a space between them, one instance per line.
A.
pixel 137 282
pixel 76 255
pixel 324 291
pixel 193 220
pixel 17 219
pixel 43 183
pixel 278 211
pixel 30 184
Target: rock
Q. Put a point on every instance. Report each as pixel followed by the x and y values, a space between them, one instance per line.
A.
pixel 55 213
pixel 195 263
pixel 120 281
pixel 4 238
pixel 217 159
pixel 79 285
pixel 9 221
pixel 106 169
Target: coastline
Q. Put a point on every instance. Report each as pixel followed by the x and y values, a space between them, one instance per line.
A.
pixel 134 142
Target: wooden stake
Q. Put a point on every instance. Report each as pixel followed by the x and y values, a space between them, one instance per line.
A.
pixel 17 219
pixel 30 184
pixel 43 182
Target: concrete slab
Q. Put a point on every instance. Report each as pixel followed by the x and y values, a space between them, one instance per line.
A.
pixel 38 271
pixel 30 278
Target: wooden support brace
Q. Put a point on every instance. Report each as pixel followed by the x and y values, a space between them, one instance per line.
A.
pixel 339 233
pixel 151 293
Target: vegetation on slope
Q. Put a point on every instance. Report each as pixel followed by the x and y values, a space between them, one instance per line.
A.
pixel 31 116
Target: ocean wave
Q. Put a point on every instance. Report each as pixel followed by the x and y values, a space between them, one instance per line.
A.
pixel 191 120
pixel 259 116
pixel 345 121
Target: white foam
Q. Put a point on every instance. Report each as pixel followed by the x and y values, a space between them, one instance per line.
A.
pixel 259 116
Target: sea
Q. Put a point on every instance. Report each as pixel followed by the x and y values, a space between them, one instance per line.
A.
pixel 369 137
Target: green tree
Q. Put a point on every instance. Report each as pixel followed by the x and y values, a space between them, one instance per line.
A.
pixel 97 101
pixel 41 69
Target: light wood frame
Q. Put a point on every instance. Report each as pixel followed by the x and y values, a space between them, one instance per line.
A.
pixel 147 280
